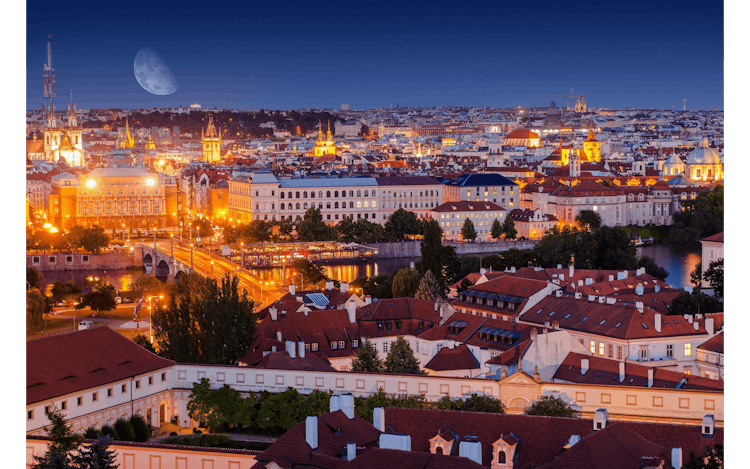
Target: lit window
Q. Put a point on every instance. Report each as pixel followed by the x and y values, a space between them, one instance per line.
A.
pixel 601 349
pixel 592 346
pixel 688 350
pixel 341 344
pixel 315 347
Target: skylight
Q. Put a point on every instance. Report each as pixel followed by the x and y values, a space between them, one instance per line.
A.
pixel 644 326
pixel 550 314
pixel 584 319
pixel 538 312
pixel 618 324
pixel 603 321
pixel 566 317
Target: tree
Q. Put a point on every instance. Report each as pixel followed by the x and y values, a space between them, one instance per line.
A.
pixel 497 229
pixel 712 459
pixel 613 249
pixel 37 306
pixel 205 321
pixel 110 431
pixel 346 230
pixel 65 291
pixel 714 275
pixel 452 268
pixel 258 231
pixel 696 275
pixel 319 402
pixel 405 283
pixel 141 429
pixel 367 359
pixel 311 274
pixel 467 230
pixel 143 283
pixel 550 406
pixel 281 411
pixel 364 132
pixel 477 403
pixel 125 430
pixel 100 300
pixel 699 218
pixel 312 227
pixel 34 277
pixel 431 249
pixel 509 228
pixel 144 342
pixel 401 223
pixel 92 433
pixel 97 455
pixel 93 239
pixel 465 284
pixel 202 228
pixel 63 441
pixel 652 268
pixel 589 220
pixel 215 407
pixel 379 286
pixel 401 359
pixel 428 287
pixel 694 303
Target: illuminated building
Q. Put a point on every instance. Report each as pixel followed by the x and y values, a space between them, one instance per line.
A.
pixel 485 187
pixel 704 164
pixel 124 138
pixel 211 140
pixel 453 215
pixel 522 138
pixel 591 148
pixel 111 197
pixel 324 146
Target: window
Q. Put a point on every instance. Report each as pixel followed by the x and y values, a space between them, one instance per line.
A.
pixel 150 380
pixel 64 405
pixel 385 347
pixel 95 397
pixel 333 345
pixel 670 351
pixel 688 350
pixel 314 347
pixel 592 346
pixel 619 352
pixel 398 324
pixel 109 392
pixel 341 344
pixel 164 376
pixel 610 351
pixel 80 401
pixel 46 410
pixel 355 343
pixel 138 384
pixel 644 353
pixel 124 388
pixel 30 415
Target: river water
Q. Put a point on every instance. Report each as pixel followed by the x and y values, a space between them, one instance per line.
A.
pixel 679 261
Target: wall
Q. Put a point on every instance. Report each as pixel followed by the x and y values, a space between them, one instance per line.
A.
pixel 104 261
pixel 413 249
pixel 145 456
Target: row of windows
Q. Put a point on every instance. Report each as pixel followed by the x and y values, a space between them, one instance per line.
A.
pixel 120 210
pixel 470 215
pixel 92 193
pixel 95 395
pixel 53 259
pixel 359 204
pixel 368 193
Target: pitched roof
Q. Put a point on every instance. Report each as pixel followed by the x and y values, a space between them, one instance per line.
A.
pixel 335 430
pixel 603 371
pixel 395 459
pixel 282 361
pixel 717 238
pixel 450 359
pixel 465 206
pixel 714 344
pixel 541 438
pixel 71 362
pixel 521 134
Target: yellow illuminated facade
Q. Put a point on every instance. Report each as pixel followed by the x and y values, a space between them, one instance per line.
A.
pixel 211 140
pixel 591 147
pixel 324 145
pixel 125 139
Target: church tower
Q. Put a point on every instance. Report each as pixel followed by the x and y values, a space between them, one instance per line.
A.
pixel 211 140
pixel 125 139
pixel 575 165
pixel 52 135
pixel 591 147
pixel 71 145
pixel 583 103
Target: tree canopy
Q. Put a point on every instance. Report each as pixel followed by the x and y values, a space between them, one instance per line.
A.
pixel 428 287
pixel 62 442
pixel 652 268
pixel 589 219
pixel 700 218
pixel 497 229
pixel 312 227
pixel 694 303
pixel 205 321
pixel 402 223
pixel 102 299
pixel 405 283
pixel 66 291
pixel 714 275
pixel 367 359
pixel 401 359
pixel 37 306
pixel 509 228
pixel 34 277
pixel 467 230
pixel 307 273
pixel 551 406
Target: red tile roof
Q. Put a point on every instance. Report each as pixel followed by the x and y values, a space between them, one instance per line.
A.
pixel 451 359
pixel 714 344
pixel 521 134
pixel 465 206
pixel 603 371
pixel 378 458
pixel 68 363
pixel 541 438
pixel 282 361
pixel 717 238
pixel 335 430
pixel 512 356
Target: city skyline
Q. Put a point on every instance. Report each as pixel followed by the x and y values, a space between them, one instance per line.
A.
pixel 320 57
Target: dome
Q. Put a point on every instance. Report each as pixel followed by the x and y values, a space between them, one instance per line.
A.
pixel 673 160
pixel 703 155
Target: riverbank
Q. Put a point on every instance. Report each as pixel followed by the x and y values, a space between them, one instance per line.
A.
pixel 413 248
pixel 65 261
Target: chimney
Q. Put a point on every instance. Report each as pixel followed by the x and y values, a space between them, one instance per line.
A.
pixel 513 270
pixel 291 348
pixel 584 365
pixel 301 351
pixel 600 419
pixel 351 451
pixel 639 290
pixel 278 336
pixel 710 326
pixel 482 271
pixel 368 299
pixel 580 283
pixel 696 325
pixel 579 295
pixel 329 285
pixel 555 325
pixel 611 301
pixel 624 274
pixel 611 278
pixel 558 293
pixel 561 277
pixel 274 313
pixel 650 377
pixel 273 348
pixel 344 287
pixel 639 306
pixel 622 371
pixel 677 458
pixel 559 266
pixel 688 288
pixel 656 290
pixel 546 323
pixel 351 308
pixel 378 418
pixel 292 290
pixel 592 297
pixel 503 373
pixel 391 441
pixel 346 404
pixel 588 281
pixel 708 425
pixel 334 404
pixel 571 270
pixel 532 334
pixel 437 304
pixel 602 299
pixel 689 318
pixel 311 432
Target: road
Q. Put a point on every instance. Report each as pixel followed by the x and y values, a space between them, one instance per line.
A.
pixel 263 293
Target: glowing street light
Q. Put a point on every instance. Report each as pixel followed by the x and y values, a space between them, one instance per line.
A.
pixel 91 183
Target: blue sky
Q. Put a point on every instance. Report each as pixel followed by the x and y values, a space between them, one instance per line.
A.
pixel 642 54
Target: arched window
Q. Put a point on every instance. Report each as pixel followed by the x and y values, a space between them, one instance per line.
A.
pixel 709 173
pixel 328 193
pixel 296 195
pixel 367 204
pixel 359 193
pixel 501 457
pixel 304 206
pixel 320 205
pixel 304 195
pixel 289 196
pixel 282 206
pixel 328 205
pixel 343 194
pixel 336 205
pixel 257 206
pixel 439 450
pixel 351 193
pixel 282 195
pixel 320 194
pixel 367 194
pixel 374 194
pixel 336 193
pixel 697 173
pixel 351 204
pixel 297 209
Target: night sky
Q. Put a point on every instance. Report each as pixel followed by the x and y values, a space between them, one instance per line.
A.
pixel 321 54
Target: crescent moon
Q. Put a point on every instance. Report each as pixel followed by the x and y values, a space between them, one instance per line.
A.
pixel 152 73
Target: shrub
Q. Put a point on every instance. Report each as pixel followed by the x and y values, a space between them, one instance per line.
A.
pixel 92 433
pixel 107 430
pixel 173 434
pixel 141 429
pixel 209 441
pixel 125 430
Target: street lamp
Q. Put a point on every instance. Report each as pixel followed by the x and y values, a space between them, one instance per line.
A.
pixel 191 256
pixel 171 245
pixel 123 232
pixel 212 269
pixel 242 254
pixel 150 317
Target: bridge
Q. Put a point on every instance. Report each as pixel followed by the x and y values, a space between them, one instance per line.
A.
pixel 159 263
